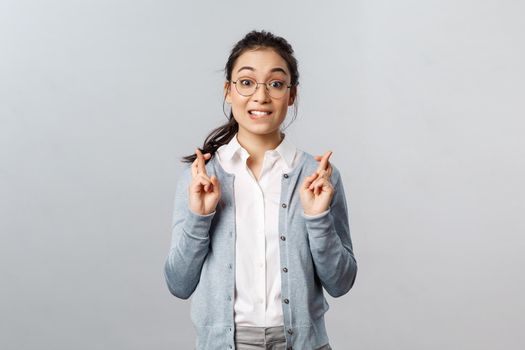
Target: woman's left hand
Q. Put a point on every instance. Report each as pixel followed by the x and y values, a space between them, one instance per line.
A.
pixel 317 191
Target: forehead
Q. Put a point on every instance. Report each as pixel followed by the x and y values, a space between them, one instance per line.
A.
pixel 263 60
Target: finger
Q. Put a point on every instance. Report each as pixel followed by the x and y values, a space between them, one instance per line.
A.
pixel 314 187
pixel 195 164
pixel 200 160
pixel 318 158
pixel 210 186
pixel 319 182
pixel 323 174
pixel 216 185
pixel 321 185
pixel 201 178
pixel 309 179
pixel 204 181
pixel 200 164
pixel 324 161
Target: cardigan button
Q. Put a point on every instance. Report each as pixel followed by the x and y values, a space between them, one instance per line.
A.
pixel 290 331
pixel 285 269
pixel 285 176
pixel 286 301
pixel 283 205
pixel 283 238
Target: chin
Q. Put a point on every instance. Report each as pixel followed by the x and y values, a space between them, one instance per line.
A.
pixel 262 129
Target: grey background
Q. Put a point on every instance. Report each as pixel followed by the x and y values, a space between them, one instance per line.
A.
pixel 420 101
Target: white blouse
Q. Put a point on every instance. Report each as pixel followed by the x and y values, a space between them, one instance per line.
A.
pixel 257 275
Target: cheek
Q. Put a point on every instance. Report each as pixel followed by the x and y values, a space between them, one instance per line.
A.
pixel 238 108
pixel 282 107
pixel 238 102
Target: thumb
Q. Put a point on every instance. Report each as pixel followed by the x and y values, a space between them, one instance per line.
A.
pixel 216 184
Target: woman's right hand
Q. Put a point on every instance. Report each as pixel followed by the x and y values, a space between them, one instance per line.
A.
pixel 204 192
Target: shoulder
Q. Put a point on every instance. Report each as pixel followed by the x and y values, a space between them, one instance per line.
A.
pixel 184 175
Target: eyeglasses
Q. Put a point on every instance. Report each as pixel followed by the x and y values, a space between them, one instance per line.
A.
pixel 247 87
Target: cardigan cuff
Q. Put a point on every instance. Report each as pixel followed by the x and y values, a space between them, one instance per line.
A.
pixel 306 216
pixel 318 225
pixel 198 225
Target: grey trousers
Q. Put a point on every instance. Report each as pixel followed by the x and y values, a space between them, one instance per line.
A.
pixel 267 338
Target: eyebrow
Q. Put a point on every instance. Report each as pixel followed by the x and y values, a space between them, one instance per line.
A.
pixel 276 69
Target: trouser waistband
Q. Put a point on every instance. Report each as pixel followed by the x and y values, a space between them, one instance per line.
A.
pixel 259 335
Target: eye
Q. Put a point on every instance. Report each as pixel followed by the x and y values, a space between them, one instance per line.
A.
pixel 246 82
pixel 276 84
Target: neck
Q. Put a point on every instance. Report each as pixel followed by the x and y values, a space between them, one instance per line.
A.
pixel 257 145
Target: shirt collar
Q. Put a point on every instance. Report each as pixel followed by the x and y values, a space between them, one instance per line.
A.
pixel 286 150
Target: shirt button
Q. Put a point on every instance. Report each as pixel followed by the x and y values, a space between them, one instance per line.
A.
pixel 229 298
pixel 283 238
pixel 285 176
pixel 286 301
pixel 284 205
pixel 285 269
pixel 230 266
pixel 290 331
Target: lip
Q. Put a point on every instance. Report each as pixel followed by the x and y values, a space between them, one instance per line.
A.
pixel 253 117
pixel 259 110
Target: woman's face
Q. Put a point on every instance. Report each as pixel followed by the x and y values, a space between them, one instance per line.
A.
pixel 261 65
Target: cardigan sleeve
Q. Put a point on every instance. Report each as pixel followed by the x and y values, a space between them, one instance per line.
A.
pixel 331 244
pixel 190 242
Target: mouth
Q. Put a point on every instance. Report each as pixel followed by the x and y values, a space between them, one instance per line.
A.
pixel 258 114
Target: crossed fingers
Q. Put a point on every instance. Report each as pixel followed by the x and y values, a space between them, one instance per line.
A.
pixel 321 177
pixel 198 166
pixel 325 168
pixel 198 169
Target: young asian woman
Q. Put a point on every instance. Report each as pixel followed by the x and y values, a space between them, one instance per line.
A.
pixel 260 227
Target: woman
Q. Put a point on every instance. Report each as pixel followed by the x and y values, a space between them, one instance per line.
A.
pixel 259 226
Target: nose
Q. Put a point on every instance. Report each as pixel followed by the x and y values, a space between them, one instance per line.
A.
pixel 261 93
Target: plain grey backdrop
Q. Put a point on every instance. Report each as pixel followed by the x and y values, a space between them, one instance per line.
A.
pixel 421 103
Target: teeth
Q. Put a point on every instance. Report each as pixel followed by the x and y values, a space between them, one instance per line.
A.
pixel 259 113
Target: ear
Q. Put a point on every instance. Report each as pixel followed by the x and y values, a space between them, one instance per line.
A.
pixel 227 92
pixel 293 95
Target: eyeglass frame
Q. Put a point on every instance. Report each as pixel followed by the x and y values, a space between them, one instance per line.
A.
pixel 257 86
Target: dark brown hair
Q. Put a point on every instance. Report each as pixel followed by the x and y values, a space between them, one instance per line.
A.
pixel 253 40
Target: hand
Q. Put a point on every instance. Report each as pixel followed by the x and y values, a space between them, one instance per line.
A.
pixel 204 192
pixel 316 190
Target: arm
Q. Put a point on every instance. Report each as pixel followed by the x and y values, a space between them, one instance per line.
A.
pixel 189 243
pixel 331 245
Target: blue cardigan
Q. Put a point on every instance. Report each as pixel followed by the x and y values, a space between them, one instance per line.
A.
pixel 314 253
